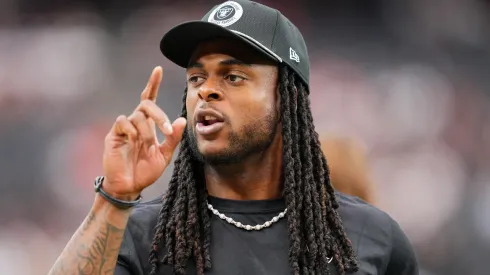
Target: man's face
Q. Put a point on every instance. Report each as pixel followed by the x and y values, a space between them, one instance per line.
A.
pixel 231 102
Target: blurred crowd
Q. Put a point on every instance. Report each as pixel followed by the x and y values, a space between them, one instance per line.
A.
pixel 407 81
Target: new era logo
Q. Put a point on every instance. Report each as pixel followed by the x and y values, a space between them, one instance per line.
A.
pixel 293 55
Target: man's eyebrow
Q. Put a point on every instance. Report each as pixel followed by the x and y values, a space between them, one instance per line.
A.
pixel 233 61
pixel 227 62
pixel 195 65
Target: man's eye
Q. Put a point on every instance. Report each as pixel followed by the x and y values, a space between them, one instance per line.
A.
pixel 234 78
pixel 195 79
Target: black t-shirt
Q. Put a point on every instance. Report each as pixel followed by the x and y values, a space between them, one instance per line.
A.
pixel 381 246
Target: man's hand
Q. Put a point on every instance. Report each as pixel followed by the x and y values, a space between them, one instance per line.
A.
pixel 133 157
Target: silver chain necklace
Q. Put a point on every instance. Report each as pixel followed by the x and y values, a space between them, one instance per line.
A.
pixel 248 227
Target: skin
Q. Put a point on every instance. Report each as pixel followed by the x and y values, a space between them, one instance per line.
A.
pixel 245 157
pixel 134 159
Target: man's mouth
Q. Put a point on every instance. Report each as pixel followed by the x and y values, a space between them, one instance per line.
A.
pixel 208 122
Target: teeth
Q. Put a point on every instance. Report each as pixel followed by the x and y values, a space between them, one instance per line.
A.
pixel 209 118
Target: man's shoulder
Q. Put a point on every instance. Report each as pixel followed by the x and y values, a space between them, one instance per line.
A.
pixel 355 206
pixel 371 229
pixel 363 219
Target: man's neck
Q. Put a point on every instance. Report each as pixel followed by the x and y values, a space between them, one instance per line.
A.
pixel 259 177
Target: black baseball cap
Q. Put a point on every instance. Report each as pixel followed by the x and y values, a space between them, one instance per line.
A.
pixel 262 27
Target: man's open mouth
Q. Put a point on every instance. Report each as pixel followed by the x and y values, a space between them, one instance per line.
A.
pixel 208 120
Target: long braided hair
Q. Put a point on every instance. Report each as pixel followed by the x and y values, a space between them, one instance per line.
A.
pixel 316 234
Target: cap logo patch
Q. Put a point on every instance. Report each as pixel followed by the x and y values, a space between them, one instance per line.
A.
pixel 293 55
pixel 226 14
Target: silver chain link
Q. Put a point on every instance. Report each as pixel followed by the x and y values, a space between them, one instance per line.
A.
pixel 248 227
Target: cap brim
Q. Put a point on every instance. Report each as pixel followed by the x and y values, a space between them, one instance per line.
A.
pixel 179 43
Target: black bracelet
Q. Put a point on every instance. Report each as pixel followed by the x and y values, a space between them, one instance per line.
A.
pixel 116 202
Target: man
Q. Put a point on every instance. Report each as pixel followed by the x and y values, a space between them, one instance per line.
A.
pixel 250 192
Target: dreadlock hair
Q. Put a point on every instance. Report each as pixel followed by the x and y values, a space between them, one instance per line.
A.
pixel 316 234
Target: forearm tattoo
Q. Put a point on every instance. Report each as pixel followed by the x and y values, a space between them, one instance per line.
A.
pixel 92 250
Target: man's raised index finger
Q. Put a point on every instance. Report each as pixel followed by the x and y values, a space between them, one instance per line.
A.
pixel 156 79
pixel 151 90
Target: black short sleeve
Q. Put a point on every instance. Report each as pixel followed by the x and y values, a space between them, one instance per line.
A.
pixel 121 270
pixel 133 258
pixel 402 258
pixel 126 253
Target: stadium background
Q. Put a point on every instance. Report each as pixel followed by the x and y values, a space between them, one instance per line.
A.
pixel 408 79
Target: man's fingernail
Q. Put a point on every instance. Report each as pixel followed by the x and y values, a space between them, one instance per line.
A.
pixel 168 128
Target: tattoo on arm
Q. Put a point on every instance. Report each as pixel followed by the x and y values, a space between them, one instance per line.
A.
pixel 97 254
pixel 93 250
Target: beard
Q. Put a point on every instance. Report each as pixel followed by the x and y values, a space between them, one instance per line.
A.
pixel 252 138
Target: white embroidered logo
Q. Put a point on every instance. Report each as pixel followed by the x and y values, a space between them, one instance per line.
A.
pixel 293 55
pixel 226 14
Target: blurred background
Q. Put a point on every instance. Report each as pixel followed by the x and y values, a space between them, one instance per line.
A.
pixel 407 80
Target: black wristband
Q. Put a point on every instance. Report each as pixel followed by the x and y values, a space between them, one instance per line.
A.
pixel 116 202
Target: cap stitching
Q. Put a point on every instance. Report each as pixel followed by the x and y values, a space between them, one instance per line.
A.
pixel 275 30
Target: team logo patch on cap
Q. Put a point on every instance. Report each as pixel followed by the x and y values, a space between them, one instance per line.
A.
pixel 226 14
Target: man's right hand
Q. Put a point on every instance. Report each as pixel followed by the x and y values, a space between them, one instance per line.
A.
pixel 133 157
pixel 133 160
